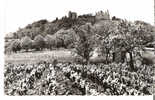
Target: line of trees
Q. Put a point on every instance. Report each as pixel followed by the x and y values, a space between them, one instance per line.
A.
pixel 58 40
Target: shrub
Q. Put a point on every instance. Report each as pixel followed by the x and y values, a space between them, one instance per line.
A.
pixel 26 43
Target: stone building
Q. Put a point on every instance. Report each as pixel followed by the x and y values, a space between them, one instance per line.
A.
pixel 72 15
pixel 87 18
pixel 102 15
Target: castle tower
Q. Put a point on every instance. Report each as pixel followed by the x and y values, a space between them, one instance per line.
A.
pixel 72 15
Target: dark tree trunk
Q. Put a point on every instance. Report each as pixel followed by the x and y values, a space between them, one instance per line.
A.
pixel 107 57
pixel 87 60
pixel 113 57
pixel 123 56
pixel 131 62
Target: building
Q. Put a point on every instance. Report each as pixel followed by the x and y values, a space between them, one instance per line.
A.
pixel 72 15
pixel 102 15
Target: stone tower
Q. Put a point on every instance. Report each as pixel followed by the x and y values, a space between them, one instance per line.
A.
pixel 72 15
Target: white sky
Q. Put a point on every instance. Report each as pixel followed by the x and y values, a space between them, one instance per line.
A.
pixel 19 13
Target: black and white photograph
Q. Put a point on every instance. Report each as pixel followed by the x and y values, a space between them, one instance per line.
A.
pixel 79 48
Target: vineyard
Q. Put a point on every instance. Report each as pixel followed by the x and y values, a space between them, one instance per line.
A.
pixel 75 79
pixel 81 55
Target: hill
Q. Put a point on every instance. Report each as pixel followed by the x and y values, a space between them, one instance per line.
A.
pixel 44 27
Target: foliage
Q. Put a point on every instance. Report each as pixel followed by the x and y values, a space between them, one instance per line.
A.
pixel 50 41
pixel 65 38
pixel 75 79
pixel 15 45
pixel 84 45
pixel 26 43
pixel 110 36
pixel 105 33
pixel 124 37
pixel 39 42
pixel 131 39
pixel 51 28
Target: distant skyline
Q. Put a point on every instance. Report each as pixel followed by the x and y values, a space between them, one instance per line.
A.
pixel 19 13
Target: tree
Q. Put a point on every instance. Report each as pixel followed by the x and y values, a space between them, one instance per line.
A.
pixel 65 38
pixel 39 42
pixel 50 41
pixel 51 28
pixel 68 40
pixel 15 46
pixel 132 39
pixel 59 40
pixel 26 43
pixel 105 32
pixel 84 45
pixel 106 46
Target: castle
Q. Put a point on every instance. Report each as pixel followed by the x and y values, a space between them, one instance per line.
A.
pixel 72 15
pixel 102 15
pixel 98 16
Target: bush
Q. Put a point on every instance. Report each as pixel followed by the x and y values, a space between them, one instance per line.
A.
pixel 26 43
pixel 39 42
pixel 15 46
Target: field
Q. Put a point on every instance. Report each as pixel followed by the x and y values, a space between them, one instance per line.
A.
pixel 34 57
pixel 63 55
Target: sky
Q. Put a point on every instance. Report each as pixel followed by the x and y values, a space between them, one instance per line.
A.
pixel 19 13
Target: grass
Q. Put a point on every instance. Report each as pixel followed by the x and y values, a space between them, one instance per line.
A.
pixel 29 57
pixel 62 55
